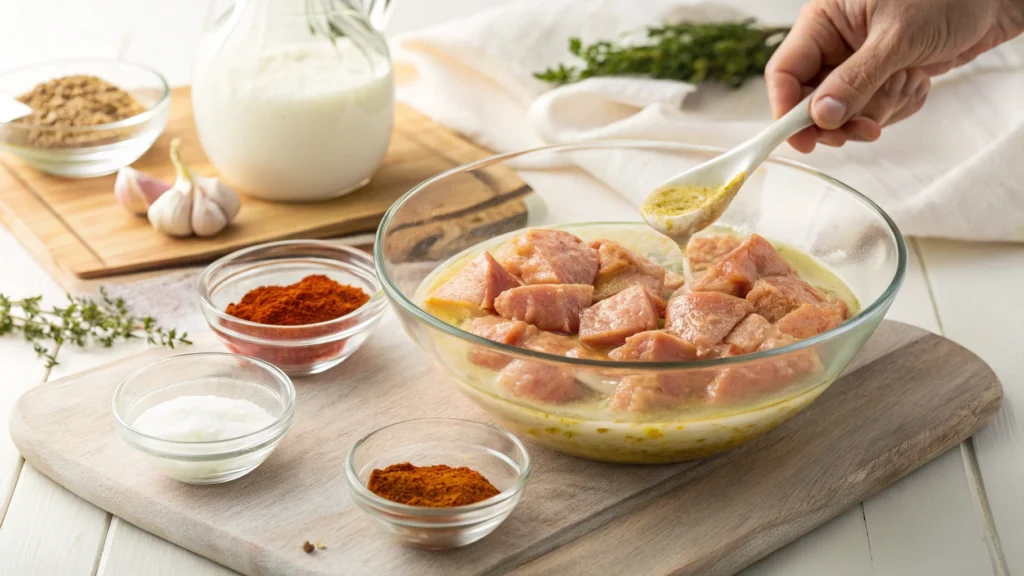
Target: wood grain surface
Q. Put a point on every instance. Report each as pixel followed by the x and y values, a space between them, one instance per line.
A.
pixel 909 396
pixel 74 226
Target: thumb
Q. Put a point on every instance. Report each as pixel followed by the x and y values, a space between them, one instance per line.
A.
pixel 848 88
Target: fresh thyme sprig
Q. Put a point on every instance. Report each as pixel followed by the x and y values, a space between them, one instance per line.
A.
pixel 82 321
pixel 729 53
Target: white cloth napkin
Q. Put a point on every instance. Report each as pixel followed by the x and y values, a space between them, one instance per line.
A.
pixel 954 170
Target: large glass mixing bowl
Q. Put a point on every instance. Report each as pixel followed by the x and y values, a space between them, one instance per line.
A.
pixel 574 186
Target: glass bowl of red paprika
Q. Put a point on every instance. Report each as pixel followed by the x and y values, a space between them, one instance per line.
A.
pixel 435 463
pixel 302 305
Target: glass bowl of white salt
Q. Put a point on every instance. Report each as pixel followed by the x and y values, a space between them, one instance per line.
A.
pixel 205 418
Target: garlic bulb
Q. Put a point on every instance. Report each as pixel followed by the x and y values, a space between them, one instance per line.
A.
pixel 195 204
pixel 136 191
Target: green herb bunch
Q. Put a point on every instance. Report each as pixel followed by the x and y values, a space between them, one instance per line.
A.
pixel 728 53
pixel 82 321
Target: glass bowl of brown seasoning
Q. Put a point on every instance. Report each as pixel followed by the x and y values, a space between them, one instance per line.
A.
pixel 303 305
pixel 437 483
pixel 88 117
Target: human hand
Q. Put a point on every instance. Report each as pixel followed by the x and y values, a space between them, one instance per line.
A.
pixel 872 60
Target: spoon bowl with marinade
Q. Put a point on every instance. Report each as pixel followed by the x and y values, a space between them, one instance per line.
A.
pixel 689 202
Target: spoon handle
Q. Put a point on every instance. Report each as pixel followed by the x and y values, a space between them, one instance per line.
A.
pixel 762 145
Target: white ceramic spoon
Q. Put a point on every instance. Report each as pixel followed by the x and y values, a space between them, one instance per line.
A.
pixel 689 202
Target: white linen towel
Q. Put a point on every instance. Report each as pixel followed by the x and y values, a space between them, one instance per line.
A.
pixel 954 170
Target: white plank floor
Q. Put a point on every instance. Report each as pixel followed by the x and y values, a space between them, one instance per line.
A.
pixel 963 513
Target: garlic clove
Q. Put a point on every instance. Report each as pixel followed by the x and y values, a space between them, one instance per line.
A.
pixel 207 217
pixel 136 191
pixel 171 214
pixel 220 193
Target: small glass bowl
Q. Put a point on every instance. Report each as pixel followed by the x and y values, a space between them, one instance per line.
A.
pixel 201 374
pixel 89 150
pixel 298 350
pixel 489 450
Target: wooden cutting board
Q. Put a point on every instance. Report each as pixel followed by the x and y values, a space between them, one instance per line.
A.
pixel 909 396
pixel 75 227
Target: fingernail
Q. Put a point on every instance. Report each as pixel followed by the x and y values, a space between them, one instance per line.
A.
pixel 830 112
pixel 859 138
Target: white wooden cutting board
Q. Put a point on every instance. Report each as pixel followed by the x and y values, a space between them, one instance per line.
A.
pixel 908 397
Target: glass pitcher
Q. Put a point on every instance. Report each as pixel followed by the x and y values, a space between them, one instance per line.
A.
pixel 294 99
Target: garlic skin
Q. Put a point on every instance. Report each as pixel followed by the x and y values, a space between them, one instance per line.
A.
pixel 171 214
pixel 136 191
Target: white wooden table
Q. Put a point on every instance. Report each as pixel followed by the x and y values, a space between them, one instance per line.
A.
pixel 949 517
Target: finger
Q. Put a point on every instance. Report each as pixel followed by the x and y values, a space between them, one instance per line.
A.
pixel 887 100
pixel 835 138
pixel 916 98
pixel 854 82
pixel 812 43
pixel 862 129
pixel 804 141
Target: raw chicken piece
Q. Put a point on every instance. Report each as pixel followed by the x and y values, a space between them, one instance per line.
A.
pixel 539 381
pixel 559 345
pixel 762 377
pixel 810 320
pixel 650 393
pixel 547 306
pixel 609 322
pixel 542 256
pixel 673 281
pixel 619 268
pixel 654 346
pixel 706 251
pixel 477 285
pixel 704 318
pixel 497 329
pixel 775 296
pixel 738 271
pixel 749 334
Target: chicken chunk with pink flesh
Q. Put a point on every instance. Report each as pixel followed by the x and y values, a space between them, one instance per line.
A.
pixel 705 318
pixel 539 381
pixel 652 393
pixel 619 268
pixel 543 256
pixel 737 272
pixel 497 329
pixel 704 252
pixel 758 378
pixel 476 285
pixel 775 296
pixel 810 320
pixel 609 322
pixel 654 346
pixel 749 334
pixel 673 281
pixel 559 345
pixel 554 307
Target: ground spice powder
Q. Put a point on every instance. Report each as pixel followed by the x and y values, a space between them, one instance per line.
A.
pixel 313 299
pixel 73 101
pixel 431 486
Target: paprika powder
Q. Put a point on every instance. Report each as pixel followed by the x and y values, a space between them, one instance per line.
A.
pixel 431 486
pixel 314 299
